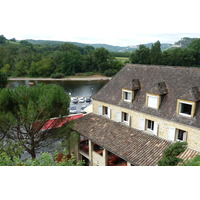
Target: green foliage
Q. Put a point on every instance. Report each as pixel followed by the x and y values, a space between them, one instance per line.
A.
pixel 193 161
pixel 3 80
pixel 3 40
pixel 26 111
pixel 170 155
pixel 185 42
pixel 189 56
pixel 156 53
pixel 9 153
pixel 57 75
pixel 43 159
pixel 141 55
pixel 110 72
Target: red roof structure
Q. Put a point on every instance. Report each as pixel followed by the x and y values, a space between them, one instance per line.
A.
pixel 58 122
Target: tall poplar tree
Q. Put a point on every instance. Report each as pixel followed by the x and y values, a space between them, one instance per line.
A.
pixel 156 54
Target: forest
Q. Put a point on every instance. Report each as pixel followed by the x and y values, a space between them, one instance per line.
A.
pixel 21 58
pixel 187 56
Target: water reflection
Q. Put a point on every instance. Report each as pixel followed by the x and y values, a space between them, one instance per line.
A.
pixel 76 88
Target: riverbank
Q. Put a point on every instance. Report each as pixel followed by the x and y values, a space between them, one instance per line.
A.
pixel 76 78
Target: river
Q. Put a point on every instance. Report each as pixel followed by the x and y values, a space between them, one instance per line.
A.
pixel 74 88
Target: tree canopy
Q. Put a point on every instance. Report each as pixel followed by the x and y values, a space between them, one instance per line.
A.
pixel 26 59
pixel 170 155
pixel 24 111
pixel 3 80
pixel 172 56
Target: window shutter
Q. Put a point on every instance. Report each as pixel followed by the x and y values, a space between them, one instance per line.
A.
pixel 152 101
pixel 185 136
pixel 129 119
pixel 155 131
pixel 109 113
pixel 118 116
pixel 142 124
pixel 171 133
pixel 100 110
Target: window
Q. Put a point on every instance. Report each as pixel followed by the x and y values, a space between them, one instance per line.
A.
pixel 150 125
pixel 186 108
pixel 105 110
pixel 181 135
pixel 127 95
pixel 177 134
pixel 152 101
pixel 123 117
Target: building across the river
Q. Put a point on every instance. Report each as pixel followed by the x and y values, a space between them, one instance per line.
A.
pixel 139 113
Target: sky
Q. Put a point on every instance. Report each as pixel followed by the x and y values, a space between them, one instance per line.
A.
pixel 115 22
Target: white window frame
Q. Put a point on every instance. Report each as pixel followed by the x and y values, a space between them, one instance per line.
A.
pixel 180 104
pixel 127 122
pixel 156 103
pixel 152 124
pixel 173 134
pixel 130 93
pixel 101 111
pixel 184 136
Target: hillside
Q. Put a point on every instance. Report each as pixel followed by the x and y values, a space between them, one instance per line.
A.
pixel 106 46
pixel 184 42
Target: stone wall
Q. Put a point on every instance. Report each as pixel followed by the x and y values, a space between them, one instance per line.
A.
pixel 193 133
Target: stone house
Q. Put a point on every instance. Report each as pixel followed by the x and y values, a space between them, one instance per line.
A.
pixel 139 113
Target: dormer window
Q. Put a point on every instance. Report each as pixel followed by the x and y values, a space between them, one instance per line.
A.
pixel 186 103
pixel 153 101
pixel 154 94
pixel 130 89
pixel 186 108
pixel 127 95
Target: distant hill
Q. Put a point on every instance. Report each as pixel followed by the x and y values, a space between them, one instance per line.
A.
pixel 184 42
pixel 106 46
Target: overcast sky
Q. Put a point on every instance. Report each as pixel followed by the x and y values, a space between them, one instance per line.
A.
pixel 115 22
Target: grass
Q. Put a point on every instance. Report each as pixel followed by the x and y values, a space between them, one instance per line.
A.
pixel 123 59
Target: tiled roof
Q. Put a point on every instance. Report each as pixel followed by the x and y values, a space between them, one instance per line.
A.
pixel 177 81
pixel 133 85
pixel 132 145
pixel 192 94
pixel 159 89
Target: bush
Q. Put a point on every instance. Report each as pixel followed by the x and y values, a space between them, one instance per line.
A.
pixel 3 80
pixel 110 72
pixel 57 75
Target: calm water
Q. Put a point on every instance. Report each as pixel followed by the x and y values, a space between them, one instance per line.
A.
pixel 76 88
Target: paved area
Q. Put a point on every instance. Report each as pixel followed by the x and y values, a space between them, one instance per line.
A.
pixel 79 105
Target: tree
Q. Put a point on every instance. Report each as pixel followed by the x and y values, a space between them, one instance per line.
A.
pixel 101 56
pixel 156 54
pixel 141 55
pixel 3 80
pixel 43 159
pixel 195 46
pixel 3 40
pixel 28 110
pixel 193 161
pixel 169 157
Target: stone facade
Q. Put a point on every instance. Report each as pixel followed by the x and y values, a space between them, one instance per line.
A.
pixel 193 133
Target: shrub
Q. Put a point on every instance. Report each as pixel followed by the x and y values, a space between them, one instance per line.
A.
pixel 57 75
pixel 110 72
